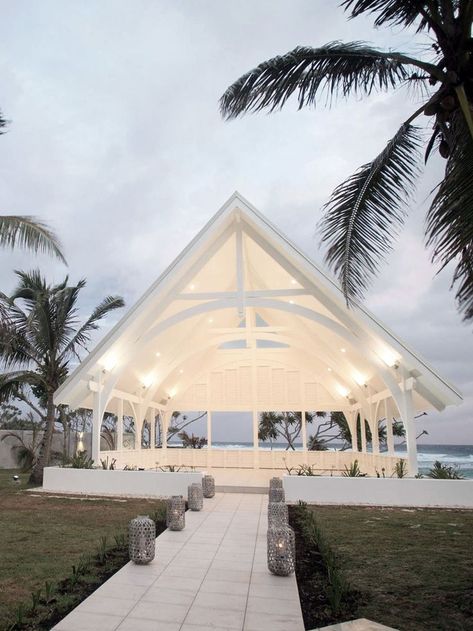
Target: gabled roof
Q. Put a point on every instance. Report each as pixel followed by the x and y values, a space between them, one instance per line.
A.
pixel 206 310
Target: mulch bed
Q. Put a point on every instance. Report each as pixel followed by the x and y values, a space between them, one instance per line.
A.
pixel 313 584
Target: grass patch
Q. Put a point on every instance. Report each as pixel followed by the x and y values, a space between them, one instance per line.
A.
pixel 413 568
pixel 43 537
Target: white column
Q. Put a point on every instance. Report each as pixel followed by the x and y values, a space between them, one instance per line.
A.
pixel 407 415
pixel 389 430
pixel 304 434
pixel 96 426
pixel 120 425
pixel 209 438
pixel 351 419
pixel 374 435
pixel 255 439
pixel 363 432
pixel 152 429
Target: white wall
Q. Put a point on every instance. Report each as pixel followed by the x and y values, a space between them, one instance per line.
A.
pixel 379 491
pixel 126 483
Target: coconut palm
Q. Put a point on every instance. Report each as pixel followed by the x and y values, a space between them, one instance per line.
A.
pixel 38 339
pixel 366 212
pixel 24 231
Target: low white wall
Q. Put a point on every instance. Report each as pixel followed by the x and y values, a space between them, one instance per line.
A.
pixel 379 491
pixel 103 482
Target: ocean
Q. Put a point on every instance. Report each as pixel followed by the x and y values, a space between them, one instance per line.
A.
pixel 458 456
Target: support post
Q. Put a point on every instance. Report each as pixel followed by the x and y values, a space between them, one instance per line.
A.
pixel 209 439
pixel 152 429
pixel 255 439
pixel 304 434
pixel 97 423
pixel 407 415
pixel 364 448
pixel 120 425
pixel 374 435
pixel 389 430
pixel 354 434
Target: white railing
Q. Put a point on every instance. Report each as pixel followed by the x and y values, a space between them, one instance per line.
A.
pixel 324 462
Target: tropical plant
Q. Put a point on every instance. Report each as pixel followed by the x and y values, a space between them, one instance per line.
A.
pixel 366 212
pixel 400 468
pixel 38 339
pixel 178 423
pixel 81 461
pixel 108 465
pixel 444 472
pixel 353 471
pixel 193 442
pixel 284 426
pixel 27 447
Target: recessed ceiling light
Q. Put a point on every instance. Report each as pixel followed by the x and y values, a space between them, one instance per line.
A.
pixel 343 350
pixel 291 302
pixel 210 320
pixel 158 354
pixel 329 369
pixel 192 287
pixel 181 371
pixel 294 282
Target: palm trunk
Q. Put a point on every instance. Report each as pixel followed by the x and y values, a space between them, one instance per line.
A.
pixel 36 476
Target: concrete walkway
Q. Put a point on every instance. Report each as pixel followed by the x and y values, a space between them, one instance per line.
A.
pixel 212 576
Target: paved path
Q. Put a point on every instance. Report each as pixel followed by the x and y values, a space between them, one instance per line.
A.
pixel 212 576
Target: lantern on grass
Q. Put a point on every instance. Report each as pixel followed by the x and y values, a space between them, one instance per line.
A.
pixel 275 483
pixel 176 513
pixel 208 486
pixel 276 495
pixel 195 497
pixel 281 550
pixel 141 539
pixel 277 514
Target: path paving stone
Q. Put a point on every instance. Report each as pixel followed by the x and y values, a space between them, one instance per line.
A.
pixel 210 576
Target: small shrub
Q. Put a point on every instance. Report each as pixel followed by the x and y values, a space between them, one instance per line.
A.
pixel 400 468
pixel 82 461
pixel 353 471
pixel 444 472
pixel 108 466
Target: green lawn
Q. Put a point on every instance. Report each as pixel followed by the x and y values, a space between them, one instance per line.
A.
pixel 42 537
pixel 413 567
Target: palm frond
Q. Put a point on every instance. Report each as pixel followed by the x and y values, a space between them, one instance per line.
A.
pixel 449 227
pixel 3 123
pixel 394 12
pixel 29 233
pixel 366 212
pixel 11 382
pixel 82 336
pixel 351 68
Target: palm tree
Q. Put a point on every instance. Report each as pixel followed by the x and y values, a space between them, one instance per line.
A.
pixel 38 338
pixel 27 232
pixel 366 212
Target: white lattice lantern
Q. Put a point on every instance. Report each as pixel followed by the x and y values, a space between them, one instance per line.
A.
pixel 195 497
pixel 176 513
pixel 208 486
pixel 281 550
pixel 275 483
pixel 276 495
pixel 141 539
pixel 277 514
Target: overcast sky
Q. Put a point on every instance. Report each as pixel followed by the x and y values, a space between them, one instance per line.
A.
pixel 116 141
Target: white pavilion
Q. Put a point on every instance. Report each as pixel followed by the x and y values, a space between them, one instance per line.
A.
pixel 243 321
